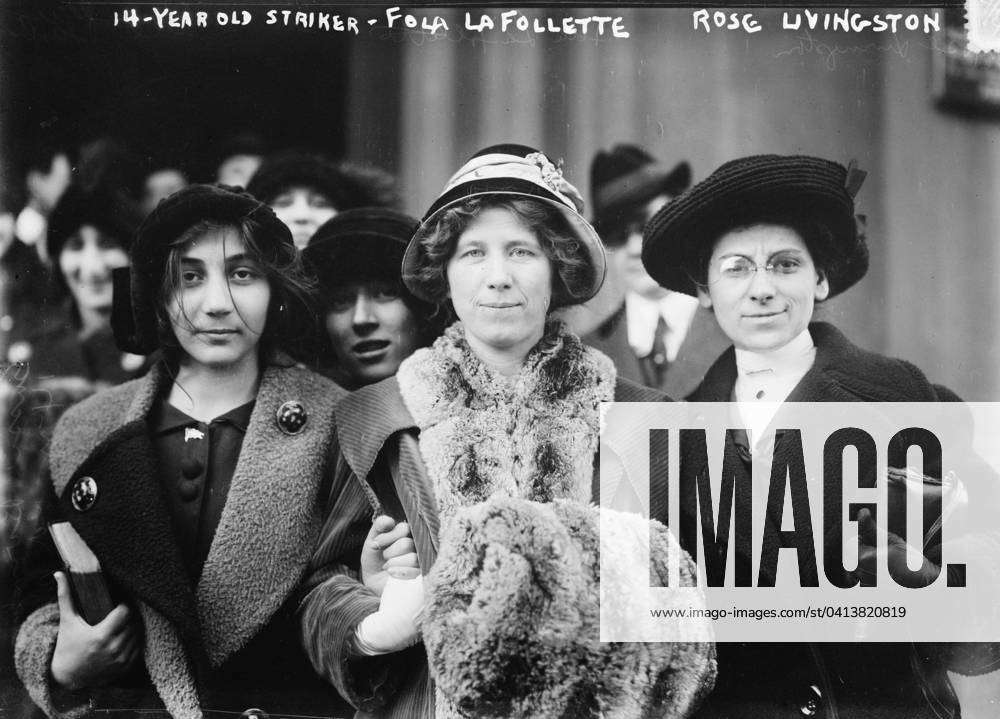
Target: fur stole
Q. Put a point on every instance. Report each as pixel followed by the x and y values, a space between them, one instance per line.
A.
pixel 531 436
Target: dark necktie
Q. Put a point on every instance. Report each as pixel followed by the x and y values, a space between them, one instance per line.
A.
pixel 657 359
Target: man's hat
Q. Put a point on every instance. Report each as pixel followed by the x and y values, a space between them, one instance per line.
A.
pixel 627 177
pixel 761 188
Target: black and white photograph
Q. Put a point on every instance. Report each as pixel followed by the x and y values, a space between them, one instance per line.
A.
pixel 311 315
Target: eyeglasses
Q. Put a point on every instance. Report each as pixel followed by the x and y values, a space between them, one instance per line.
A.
pixel 740 269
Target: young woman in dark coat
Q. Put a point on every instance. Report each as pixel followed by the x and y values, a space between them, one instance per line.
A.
pixel 198 487
pixel 760 242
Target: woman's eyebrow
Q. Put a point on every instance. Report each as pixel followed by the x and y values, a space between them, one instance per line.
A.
pixel 241 257
pixel 192 261
pixel 787 251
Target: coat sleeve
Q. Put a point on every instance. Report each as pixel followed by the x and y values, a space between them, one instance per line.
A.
pixel 37 618
pixel 335 602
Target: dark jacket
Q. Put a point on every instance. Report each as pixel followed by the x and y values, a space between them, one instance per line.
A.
pixel 702 343
pixel 228 643
pixel 844 680
pixel 379 442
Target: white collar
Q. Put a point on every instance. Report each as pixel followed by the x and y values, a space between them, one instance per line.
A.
pixel 642 315
pixel 793 358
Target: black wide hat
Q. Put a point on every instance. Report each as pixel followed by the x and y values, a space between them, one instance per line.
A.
pixel 359 243
pixel 679 238
pixel 134 319
pixel 626 177
pixel 109 212
pixel 516 171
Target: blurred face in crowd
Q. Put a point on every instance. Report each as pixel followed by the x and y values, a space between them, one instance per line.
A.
pixel 303 209
pixel 762 286
pixel 161 184
pixel 500 284
pixel 219 310
pixel 625 258
pixel 237 170
pixel 86 261
pixel 371 329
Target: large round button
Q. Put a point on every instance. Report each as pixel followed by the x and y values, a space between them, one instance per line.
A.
pixel 188 490
pixel 255 714
pixel 291 417
pixel 84 494
pixel 191 468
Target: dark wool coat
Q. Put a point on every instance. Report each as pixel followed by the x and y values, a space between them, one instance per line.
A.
pixel 228 643
pixel 379 442
pixel 840 680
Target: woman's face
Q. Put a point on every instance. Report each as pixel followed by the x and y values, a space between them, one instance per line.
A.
pixel 303 209
pixel 219 310
pixel 371 329
pixel 86 261
pixel 762 286
pixel 500 283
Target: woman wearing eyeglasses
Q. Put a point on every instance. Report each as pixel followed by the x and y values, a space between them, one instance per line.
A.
pixel 761 242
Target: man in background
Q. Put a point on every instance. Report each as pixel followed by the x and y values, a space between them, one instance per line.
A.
pixel 654 336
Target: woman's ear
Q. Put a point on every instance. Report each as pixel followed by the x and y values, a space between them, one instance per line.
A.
pixel 822 286
pixel 704 299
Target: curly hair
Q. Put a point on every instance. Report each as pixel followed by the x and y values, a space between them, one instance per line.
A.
pixel 815 235
pixel 573 269
pixel 291 315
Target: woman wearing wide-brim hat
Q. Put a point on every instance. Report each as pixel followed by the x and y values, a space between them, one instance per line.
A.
pixel 503 405
pixel 761 242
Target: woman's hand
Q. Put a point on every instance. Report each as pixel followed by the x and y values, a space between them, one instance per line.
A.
pixel 87 655
pixel 388 551
pixel 395 625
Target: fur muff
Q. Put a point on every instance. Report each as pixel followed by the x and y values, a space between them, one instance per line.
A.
pixel 512 621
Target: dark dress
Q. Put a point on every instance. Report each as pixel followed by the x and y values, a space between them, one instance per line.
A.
pixel 218 614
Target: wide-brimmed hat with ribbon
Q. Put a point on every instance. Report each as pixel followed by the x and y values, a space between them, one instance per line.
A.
pixel 626 177
pixel 517 171
pixel 762 188
pixel 137 291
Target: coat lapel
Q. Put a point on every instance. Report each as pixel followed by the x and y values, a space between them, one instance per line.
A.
pixel 128 527
pixel 414 489
pixel 374 419
pixel 272 515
